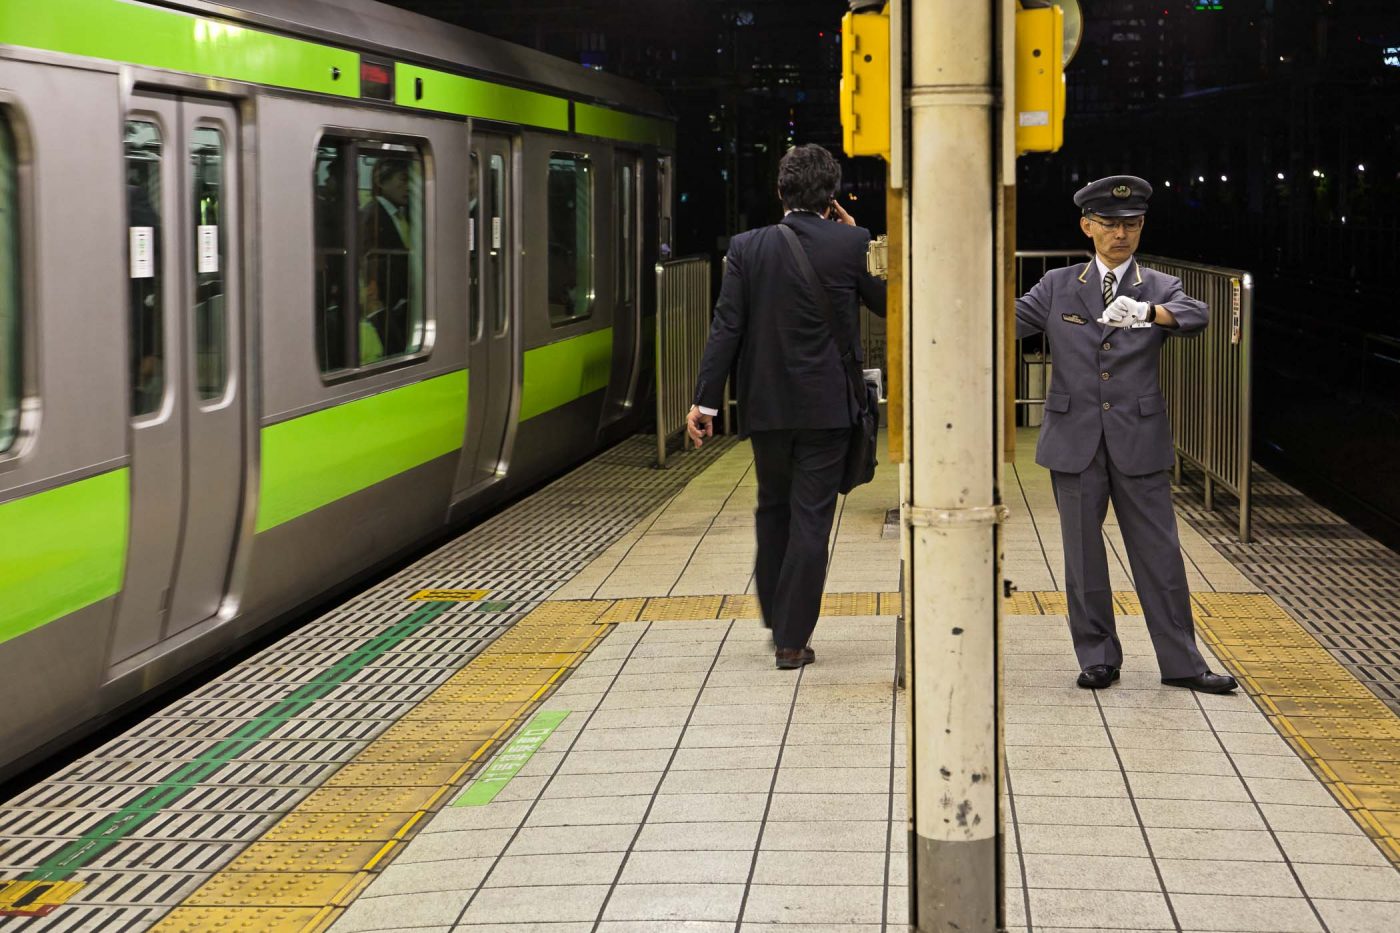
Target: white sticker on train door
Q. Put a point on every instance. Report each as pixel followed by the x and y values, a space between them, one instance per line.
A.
pixel 471 235
pixel 208 248
pixel 495 233
pixel 143 260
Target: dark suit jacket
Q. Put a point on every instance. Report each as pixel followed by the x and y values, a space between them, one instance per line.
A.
pixel 1105 380
pixel 384 261
pixel 767 321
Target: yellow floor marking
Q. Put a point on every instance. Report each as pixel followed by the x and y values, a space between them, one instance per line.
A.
pixel 319 856
pixel 1350 738
pixel 35 898
pixel 452 596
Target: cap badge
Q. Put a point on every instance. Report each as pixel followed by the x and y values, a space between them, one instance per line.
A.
pixel 1122 191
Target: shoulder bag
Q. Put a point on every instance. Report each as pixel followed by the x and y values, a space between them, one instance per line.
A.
pixel 860 452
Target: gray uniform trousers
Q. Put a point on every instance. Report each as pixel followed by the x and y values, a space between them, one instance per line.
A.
pixel 1143 505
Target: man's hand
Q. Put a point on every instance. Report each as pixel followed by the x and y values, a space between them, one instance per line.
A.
pixel 840 214
pixel 699 426
pixel 1124 312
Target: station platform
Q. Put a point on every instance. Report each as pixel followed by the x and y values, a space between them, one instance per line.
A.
pixel 569 720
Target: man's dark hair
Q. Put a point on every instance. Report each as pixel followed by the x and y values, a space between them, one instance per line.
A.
pixel 808 177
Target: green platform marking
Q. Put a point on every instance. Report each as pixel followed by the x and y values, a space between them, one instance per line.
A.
pixel 146 35
pixel 511 759
pixel 128 819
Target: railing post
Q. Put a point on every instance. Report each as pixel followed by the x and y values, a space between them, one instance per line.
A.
pixel 661 308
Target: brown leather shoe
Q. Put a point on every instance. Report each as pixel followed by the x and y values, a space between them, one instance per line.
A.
pixel 788 659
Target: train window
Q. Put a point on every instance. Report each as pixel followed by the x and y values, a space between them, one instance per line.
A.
pixel 210 327
pixel 627 232
pixel 496 298
pixel 570 237
pixel 9 289
pixel 144 151
pixel 474 246
pixel 369 253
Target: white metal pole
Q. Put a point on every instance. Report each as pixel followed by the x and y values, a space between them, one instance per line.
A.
pixel 951 509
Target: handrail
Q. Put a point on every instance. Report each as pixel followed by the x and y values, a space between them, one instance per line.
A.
pixel 1206 380
pixel 682 324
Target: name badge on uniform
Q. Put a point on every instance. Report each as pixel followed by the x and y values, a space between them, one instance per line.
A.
pixel 1139 324
pixel 1074 319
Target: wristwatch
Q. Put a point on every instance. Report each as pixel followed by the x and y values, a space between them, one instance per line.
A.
pixel 1151 313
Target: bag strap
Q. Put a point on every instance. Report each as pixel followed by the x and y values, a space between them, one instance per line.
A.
pixel 855 380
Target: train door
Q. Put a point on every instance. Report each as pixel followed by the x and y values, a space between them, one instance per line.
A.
pixel 627 314
pixel 492 354
pixel 187 402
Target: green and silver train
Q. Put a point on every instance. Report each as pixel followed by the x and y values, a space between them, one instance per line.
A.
pixel 286 289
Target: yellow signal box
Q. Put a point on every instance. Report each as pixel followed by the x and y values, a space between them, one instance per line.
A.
pixel 865 84
pixel 1040 79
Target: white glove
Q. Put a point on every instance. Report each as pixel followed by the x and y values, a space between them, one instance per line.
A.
pixel 1124 312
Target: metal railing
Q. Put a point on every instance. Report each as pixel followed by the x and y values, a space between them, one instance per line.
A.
pixel 682 324
pixel 1206 380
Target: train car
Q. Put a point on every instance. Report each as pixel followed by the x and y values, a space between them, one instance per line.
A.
pixel 286 289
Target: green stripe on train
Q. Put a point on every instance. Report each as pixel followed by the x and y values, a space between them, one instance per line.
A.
pixel 449 93
pixel 313 460
pixel 143 35
pixel 61 550
pixel 558 373
pixel 613 124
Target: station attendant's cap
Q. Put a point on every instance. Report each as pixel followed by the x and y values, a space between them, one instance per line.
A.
pixel 1115 196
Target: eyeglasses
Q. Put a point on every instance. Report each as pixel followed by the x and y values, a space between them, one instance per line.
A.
pixel 1130 224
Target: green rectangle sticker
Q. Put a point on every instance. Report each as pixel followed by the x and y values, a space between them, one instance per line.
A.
pixel 512 758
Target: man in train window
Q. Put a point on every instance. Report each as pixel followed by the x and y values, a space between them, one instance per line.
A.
pixel 386 241
pixel 794 401
pixel 1106 436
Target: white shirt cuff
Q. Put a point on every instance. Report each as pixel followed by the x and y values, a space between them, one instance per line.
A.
pixel 707 411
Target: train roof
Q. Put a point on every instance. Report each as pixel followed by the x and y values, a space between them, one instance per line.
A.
pixel 382 29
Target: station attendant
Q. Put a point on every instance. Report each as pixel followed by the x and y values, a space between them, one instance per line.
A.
pixel 1106 436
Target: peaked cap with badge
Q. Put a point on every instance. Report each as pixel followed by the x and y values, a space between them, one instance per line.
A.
pixel 1114 196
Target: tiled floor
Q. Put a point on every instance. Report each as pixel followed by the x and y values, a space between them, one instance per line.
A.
pixel 693 787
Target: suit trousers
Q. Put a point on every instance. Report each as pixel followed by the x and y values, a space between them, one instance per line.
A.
pixel 1143 505
pixel 799 475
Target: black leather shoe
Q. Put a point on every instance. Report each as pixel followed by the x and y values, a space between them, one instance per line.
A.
pixel 1097 676
pixel 1206 683
pixel 788 659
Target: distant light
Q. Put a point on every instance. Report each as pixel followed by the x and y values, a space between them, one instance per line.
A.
pixel 1360 167
pixel 1317 173
pixel 1280 176
pixel 1344 218
pixel 1200 178
pixel 1167 183
pixel 1223 178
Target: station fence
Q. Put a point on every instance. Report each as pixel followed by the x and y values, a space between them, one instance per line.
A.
pixel 682 324
pixel 1206 380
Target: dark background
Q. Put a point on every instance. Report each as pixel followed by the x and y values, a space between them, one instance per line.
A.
pixel 1270 129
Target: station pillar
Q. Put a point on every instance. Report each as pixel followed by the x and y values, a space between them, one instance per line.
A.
pixel 957 170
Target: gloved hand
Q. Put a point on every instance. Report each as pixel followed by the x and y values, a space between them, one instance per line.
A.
pixel 1124 312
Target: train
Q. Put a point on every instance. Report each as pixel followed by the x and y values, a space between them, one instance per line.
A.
pixel 286 292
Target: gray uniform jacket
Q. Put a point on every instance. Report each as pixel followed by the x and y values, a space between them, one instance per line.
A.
pixel 1105 382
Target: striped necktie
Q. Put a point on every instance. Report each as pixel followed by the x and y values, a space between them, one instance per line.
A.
pixel 1108 281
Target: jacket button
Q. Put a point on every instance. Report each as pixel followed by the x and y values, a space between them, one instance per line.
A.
pixel 1103 376
pixel 1107 345
pixel 1106 406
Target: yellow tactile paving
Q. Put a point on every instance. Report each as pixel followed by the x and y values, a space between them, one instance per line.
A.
pixel 252 919
pixel 1350 738
pixel 314 861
